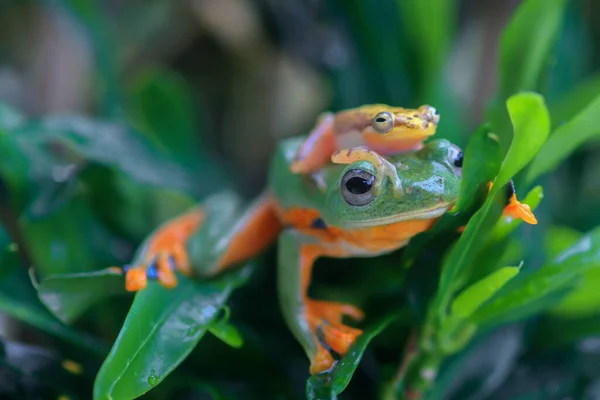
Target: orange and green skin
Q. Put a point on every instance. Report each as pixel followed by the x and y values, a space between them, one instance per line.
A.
pixel 309 222
pixel 405 131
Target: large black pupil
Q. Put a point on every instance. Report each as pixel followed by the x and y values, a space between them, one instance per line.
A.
pixel 459 160
pixel 381 120
pixel 358 185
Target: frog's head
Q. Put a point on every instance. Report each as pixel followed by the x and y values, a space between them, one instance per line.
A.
pixel 389 123
pixel 423 185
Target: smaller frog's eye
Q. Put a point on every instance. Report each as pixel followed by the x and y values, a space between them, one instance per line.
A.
pixel 357 187
pixel 383 122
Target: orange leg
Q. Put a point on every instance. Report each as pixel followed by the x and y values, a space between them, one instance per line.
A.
pixel 316 151
pixel 316 324
pixel 205 241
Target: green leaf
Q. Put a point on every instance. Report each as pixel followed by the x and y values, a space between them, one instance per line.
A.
pixel 531 126
pixel 163 326
pixel 540 289
pixel 328 385
pixel 526 43
pixel 429 32
pixel 565 139
pixel 481 164
pixel 558 239
pixel 470 299
pixel 581 96
pixel 225 331
pixel 69 295
pixel 164 107
pixel 18 299
pixel 57 245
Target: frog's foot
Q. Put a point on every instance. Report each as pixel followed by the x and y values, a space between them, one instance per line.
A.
pixel 514 208
pixel 325 320
pixel 165 253
pixel 158 265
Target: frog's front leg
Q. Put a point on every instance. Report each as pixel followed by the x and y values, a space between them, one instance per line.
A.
pixel 316 324
pixel 205 240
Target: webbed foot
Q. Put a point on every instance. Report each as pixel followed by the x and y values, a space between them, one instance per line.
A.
pixel 325 320
pixel 165 253
pixel 514 208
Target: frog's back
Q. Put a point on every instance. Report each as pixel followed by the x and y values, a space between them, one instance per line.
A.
pixel 292 190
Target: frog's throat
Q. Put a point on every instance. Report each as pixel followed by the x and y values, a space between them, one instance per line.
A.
pixel 429 213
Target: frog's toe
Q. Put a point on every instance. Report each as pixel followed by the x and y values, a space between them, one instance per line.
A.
pixel 136 278
pixel 160 267
pixel 322 361
pixel 339 338
pixel 325 320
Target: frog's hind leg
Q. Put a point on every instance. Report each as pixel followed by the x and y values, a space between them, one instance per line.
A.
pixel 316 324
pixel 316 150
pixel 205 240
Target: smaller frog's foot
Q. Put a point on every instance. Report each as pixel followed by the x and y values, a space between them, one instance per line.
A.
pixel 325 320
pixel 160 265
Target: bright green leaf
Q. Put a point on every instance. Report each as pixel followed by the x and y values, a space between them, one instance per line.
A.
pixel 163 326
pixel 565 139
pixel 567 107
pixel 482 159
pixel 540 289
pixel 69 295
pixel 531 125
pixel 470 299
pixel 227 333
pixel 526 43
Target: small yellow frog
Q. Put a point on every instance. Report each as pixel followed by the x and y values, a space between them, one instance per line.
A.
pixel 381 128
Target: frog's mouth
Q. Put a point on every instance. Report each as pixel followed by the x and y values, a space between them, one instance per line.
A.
pixel 429 213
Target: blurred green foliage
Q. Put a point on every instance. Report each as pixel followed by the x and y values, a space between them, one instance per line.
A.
pixel 116 116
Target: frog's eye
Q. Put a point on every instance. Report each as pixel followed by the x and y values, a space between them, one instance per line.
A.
pixel 357 187
pixel 455 157
pixel 383 122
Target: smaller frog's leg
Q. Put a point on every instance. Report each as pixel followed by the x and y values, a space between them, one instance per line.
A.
pixel 205 240
pixel 384 167
pixel 317 148
pixel 316 324
pixel 514 208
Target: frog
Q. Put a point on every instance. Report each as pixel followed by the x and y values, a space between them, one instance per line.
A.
pixel 363 213
pixel 380 127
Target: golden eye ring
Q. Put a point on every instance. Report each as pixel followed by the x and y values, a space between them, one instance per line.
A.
pixel 383 122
